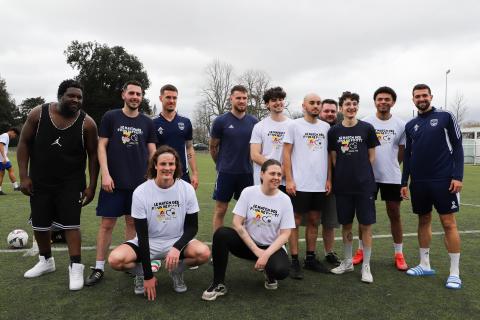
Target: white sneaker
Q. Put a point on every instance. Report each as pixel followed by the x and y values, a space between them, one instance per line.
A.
pixel 345 266
pixel 178 283
pixel 366 274
pixel 75 272
pixel 43 266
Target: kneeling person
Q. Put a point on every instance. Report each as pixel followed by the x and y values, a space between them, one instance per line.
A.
pixel 262 222
pixel 165 211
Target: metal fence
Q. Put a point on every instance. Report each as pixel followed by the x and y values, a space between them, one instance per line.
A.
pixel 471 151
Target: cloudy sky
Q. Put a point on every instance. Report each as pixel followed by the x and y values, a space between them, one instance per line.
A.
pixel 304 45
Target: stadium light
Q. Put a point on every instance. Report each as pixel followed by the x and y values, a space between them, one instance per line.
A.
pixel 446 87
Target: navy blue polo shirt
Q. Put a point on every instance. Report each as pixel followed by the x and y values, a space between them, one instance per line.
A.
pixel 234 135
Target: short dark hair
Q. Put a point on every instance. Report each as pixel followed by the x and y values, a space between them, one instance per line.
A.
pixel 152 172
pixel 240 88
pixel 330 101
pixel 386 90
pixel 348 95
pixel 14 129
pixel 268 163
pixel 65 84
pixel 134 83
pixel 421 86
pixel 168 87
pixel 274 93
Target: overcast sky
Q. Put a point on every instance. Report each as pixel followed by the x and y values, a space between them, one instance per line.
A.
pixel 305 46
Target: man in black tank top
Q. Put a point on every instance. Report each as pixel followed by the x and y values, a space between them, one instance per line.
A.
pixel 52 155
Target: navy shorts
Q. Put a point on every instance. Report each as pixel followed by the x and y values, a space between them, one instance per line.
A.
pixel 389 192
pixel 361 205
pixel 424 195
pixel 304 202
pixel 55 210
pixel 114 204
pixel 186 178
pixel 5 166
pixel 230 185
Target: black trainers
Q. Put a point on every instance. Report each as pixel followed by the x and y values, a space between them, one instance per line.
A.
pixel 315 265
pixel 295 270
pixel 16 189
pixel 95 277
pixel 333 259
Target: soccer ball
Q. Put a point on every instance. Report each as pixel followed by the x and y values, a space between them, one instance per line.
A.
pixel 17 239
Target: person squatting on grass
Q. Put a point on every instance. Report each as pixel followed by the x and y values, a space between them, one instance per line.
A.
pixel 165 212
pixel 262 223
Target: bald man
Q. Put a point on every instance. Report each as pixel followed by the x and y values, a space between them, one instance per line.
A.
pixel 307 175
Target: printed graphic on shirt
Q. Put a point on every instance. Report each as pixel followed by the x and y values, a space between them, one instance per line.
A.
pixel 385 135
pixel 314 140
pixel 130 135
pixel 276 138
pixel 349 143
pixel 165 211
pixel 263 215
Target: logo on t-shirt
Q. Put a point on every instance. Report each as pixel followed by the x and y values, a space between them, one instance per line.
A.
pixel 165 210
pixel 262 215
pixel 385 135
pixel 433 122
pixel 415 127
pixel 230 126
pixel 130 135
pixel 348 144
pixel 314 140
pixel 56 142
pixel 276 138
pixel 181 126
pixel 160 130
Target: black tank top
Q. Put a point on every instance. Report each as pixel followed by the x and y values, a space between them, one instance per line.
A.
pixel 58 158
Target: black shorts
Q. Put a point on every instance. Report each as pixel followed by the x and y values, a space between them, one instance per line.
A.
pixel 56 210
pixel 424 195
pixel 388 192
pixel 361 205
pixel 304 202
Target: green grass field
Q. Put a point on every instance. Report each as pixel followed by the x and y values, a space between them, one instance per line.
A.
pixel 393 295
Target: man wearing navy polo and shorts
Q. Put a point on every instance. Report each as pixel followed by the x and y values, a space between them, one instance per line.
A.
pixel 352 145
pixel 434 163
pixel 230 150
pixel 176 131
pixel 127 140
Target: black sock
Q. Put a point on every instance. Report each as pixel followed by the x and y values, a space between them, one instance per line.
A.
pixel 310 255
pixel 75 259
pixel 294 257
pixel 47 254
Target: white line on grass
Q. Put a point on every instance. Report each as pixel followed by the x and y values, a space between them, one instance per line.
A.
pixel 379 236
pixel 470 204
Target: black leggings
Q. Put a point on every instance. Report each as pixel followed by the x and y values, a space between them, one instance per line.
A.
pixel 227 240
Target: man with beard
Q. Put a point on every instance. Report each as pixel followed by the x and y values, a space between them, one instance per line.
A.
pixel 329 220
pixel 307 172
pixel 127 140
pixel 230 150
pixel 434 163
pixel 386 168
pixel 267 136
pixel 55 142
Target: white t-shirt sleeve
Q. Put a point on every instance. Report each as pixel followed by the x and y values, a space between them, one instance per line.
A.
pixel 288 220
pixel 289 133
pixel 4 138
pixel 403 138
pixel 257 133
pixel 191 205
pixel 139 210
pixel 241 207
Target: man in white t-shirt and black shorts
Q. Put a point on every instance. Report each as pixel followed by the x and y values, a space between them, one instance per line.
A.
pixel 306 165
pixel 267 135
pixel 386 168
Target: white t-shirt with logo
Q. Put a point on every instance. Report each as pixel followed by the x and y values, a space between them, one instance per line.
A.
pixel 270 134
pixel 164 209
pixel 391 134
pixel 309 154
pixel 5 139
pixel 264 215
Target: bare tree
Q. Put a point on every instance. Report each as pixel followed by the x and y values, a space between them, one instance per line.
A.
pixel 459 107
pixel 256 82
pixel 217 89
pixel 202 122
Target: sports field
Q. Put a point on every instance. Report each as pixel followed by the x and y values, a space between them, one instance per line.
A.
pixel 393 295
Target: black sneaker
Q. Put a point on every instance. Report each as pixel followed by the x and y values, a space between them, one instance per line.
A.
pixel 333 259
pixel 16 189
pixel 95 277
pixel 295 270
pixel 315 265
pixel 2 193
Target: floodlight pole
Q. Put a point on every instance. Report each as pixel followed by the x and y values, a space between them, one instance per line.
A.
pixel 446 87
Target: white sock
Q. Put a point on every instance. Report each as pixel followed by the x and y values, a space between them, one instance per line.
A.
pixel 425 258
pixel 15 184
pixel 398 247
pixel 347 251
pixel 367 253
pixel 100 265
pixel 360 244
pixel 454 264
